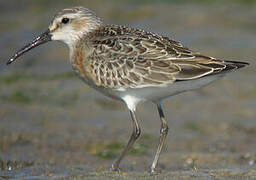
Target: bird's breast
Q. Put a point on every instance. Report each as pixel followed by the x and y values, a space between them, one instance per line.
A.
pixel 83 67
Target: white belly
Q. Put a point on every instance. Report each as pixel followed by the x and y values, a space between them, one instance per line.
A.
pixel 133 96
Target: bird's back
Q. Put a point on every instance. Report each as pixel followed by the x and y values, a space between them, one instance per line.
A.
pixel 122 57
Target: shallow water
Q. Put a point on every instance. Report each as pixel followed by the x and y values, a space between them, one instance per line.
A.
pixel 52 126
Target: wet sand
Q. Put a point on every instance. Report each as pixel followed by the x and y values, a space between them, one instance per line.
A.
pixel 53 126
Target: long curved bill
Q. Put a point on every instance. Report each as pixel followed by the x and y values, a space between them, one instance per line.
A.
pixel 43 38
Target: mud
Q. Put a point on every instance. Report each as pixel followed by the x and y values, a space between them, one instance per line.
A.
pixel 52 126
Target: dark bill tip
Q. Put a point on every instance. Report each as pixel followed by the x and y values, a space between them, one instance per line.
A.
pixel 43 38
pixel 10 61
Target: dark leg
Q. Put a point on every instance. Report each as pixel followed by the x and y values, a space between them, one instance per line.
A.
pixel 163 134
pixel 135 134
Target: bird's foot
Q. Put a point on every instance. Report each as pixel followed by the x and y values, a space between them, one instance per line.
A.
pixel 154 171
pixel 115 168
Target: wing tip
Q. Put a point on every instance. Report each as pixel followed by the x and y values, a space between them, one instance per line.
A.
pixel 236 64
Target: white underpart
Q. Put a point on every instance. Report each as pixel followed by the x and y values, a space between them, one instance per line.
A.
pixel 131 101
pixel 134 96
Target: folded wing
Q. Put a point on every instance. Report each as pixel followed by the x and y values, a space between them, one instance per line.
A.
pixel 132 58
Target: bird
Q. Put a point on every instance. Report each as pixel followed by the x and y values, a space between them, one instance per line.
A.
pixel 130 65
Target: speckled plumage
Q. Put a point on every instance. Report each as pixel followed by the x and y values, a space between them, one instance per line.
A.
pixel 121 57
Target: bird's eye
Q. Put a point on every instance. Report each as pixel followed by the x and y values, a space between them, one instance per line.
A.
pixel 65 20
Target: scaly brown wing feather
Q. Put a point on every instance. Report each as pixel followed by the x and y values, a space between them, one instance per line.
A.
pixel 125 57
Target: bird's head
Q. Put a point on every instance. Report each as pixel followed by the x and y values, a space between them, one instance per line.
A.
pixel 71 24
pixel 67 26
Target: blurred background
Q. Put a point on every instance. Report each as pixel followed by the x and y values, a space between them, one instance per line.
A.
pixel 54 126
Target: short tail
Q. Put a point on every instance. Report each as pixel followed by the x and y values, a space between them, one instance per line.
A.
pixel 230 65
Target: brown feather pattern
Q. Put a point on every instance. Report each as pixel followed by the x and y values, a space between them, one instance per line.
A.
pixel 122 57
